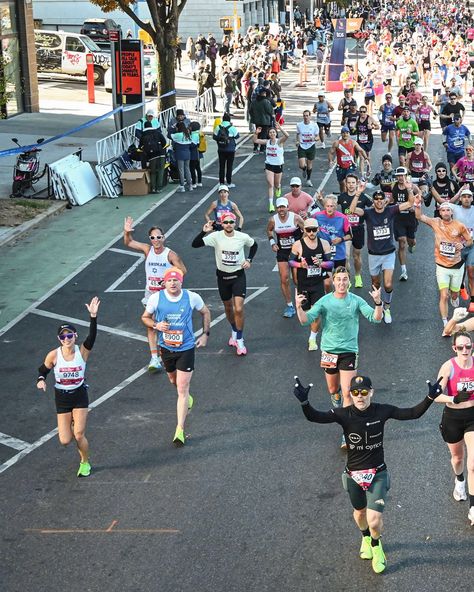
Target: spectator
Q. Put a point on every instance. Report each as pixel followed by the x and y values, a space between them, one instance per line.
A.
pixel 182 153
pixel 261 115
pixel 225 135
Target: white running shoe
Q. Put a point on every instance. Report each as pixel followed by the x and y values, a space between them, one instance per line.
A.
pixel 403 276
pixel 231 185
pixel 470 515
pixel 387 316
pixel 154 365
pixel 455 302
pixel 323 146
pixel 181 189
pixel 309 183
pixel 459 492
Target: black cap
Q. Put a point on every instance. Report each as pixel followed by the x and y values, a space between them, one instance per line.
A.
pixel 179 112
pixel 361 382
pixel 440 165
pixel 387 157
pixel 67 327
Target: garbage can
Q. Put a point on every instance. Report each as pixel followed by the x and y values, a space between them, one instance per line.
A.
pixel 157 173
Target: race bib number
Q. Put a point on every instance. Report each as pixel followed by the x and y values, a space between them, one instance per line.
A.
pixel 406 136
pixel 417 165
pixel 469 177
pixel 381 232
pixel 447 249
pixel 353 218
pixel 424 116
pixel 173 338
pixel 313 271
pixel 363 478
pixel 286 241
pixel 333 249
pixel 155 284
pixel 328 360
pixel 345 158
pixel 230 257
pixel 458 142
pixel 363 138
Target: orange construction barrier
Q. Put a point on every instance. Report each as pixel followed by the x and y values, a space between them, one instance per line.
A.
pixel 302 73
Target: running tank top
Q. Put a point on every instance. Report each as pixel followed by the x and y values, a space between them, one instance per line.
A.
pixel 345 154
pixel 418 163
pixel 286 232
pixel 155 267
pixel 400 196
pixel 222 209
pixel 364 131
pixel 322 113
pixel 274 154
pixel 179 315
pixel 69 375
pixel 461 379
pixel 313 275
pixel 387 112
pixel 424 113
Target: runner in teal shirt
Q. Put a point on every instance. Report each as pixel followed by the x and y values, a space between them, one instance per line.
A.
pixel 339 312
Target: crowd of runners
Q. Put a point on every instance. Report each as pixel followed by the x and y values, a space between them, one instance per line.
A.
pixel 417 72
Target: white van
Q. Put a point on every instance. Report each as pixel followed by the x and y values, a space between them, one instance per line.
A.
pixel 62 52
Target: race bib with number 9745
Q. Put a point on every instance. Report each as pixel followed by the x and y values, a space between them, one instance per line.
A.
pixel 328 360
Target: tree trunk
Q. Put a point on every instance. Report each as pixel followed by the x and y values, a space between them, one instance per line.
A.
pixel 166 49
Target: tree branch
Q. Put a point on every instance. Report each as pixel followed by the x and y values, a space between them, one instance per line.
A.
pixel 129 12
pixel 181 5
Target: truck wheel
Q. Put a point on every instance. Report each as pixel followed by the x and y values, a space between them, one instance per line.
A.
pixel 98 75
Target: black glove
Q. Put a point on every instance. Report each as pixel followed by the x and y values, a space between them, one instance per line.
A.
pixel 462 396
pixel 434 390
pixel 301 392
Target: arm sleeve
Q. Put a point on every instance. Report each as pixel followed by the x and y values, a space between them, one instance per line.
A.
pixel 198 240
pixel 253 250
pixel 90 339
pixel 316 416
pixel 411 412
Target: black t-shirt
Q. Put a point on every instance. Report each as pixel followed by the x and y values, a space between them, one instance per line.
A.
pixel 380 235
pixel 344 200
pixel 450 109
pixel 400 196
pixel 364 430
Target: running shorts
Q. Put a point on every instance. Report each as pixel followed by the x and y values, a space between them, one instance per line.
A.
pixel 274 168
pixel 231 284
pixel 378 263
pixel 177 360
pixel 449 277
pixel 358 236
pixel 374 498
pixel 66 401
pixel 405 225
pixel 455 423
pixel 345 361
pixel 308 153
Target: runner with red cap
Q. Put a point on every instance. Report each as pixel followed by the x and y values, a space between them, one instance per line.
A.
pixel 231 264
pixel 366 477
pixel 170 312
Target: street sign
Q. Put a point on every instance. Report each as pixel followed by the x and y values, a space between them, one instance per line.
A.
pixel 114 35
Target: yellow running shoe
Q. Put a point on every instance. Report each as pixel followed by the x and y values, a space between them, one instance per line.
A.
pixel 179 437
pixel 365 551
pixel 190 402
pixel 358 282
pixel 84 469
pixel 379 562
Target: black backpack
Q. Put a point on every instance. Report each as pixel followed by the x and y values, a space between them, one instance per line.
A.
pixel 223 137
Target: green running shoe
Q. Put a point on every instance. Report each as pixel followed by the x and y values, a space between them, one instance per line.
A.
pixel 365 551
pixel 278 192
pixel 190 402
pixel 379 562
pixel 84 469
pixel 358 282
pixel 179 437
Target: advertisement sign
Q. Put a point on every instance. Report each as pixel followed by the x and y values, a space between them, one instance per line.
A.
pixel 336 61
pixel 129 71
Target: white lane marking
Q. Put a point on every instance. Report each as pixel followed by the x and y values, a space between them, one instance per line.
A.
pixel 326 178
pixel 126 382
pixel 276 267
pixel 12 442
pixel 192 289
pixel 175 226
pixel 80 322
pixel 83 266
pixel 125 252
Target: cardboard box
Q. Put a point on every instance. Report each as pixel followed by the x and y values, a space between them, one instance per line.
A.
pixel 135 182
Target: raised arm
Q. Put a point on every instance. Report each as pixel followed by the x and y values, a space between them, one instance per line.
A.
pixel 128 239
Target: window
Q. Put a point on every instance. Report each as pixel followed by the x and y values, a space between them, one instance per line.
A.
pixel 74 44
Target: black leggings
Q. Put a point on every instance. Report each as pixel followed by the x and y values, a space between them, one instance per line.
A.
pixel 195 166
pixel 226 162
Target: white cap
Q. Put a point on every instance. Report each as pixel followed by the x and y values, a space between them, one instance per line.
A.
pixel 223 188
pixel 151 112
pixel 419 141
pixel 281 201
pixel 446 204
pixel 295 181
pixel 466 192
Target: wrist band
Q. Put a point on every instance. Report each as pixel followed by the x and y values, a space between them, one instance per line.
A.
pixel 272 241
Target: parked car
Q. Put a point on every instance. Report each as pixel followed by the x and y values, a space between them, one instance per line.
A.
pixel 61 52
pixel 149 75
pixel 98 28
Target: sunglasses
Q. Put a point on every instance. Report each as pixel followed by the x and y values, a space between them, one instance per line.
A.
pixel 64 336
pixel 467 346
pixel 295 185
pixel 441 170
pixel 228 222
pixel 356 392
pixel 157 237
pixel 311 229
pixel 378 198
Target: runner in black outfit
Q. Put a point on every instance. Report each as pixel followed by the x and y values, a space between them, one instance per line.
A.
pixel 366 477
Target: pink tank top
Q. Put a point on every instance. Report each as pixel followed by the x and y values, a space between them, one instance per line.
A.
pixel 461 379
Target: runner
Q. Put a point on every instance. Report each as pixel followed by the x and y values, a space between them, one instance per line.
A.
pixel 366 477
pixel 311 257
pixel 365 138
pixel 299 202
pixel 344 150
pixel 419 165
pixel 457 134
pixel 380 222
pixel 386 178
pixel 405 220
pixel 457 424
pixel 450 238
pixel 463 169
pixel 70 390
pixel 423 118
pixel 443 189
pixel 407 130
pixel 274 160
pixel 306 135
pixel 323 109
pixel 344 104
pixel 339 312
pixel 158 258
pixel 465 213
pixel 287 227
pixel 336 226
pixel 231 264
pixel 170 312
pixel 355 187
pixel 387 121
pixel 221 205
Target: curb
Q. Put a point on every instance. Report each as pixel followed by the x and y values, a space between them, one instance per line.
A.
pixel 22 229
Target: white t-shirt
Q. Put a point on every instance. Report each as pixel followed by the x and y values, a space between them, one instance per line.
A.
pixel 466 216
pixel 229 250
pixel 274 153
pixel 307 134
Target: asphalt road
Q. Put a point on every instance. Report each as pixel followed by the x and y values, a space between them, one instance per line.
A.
pixel 254 500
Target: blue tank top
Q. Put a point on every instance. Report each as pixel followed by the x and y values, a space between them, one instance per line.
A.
pixel 387 111
pixel 322 113
pixel 179 315
pixel 220 210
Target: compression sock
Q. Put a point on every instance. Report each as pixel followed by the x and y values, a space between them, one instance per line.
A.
pixel 313 334
pixel 234 327
pixel 374 542
pixel 308 173
pixel 471 500
pixel 365 532
pixel 460 477
pixel 240 334
pixel 387 296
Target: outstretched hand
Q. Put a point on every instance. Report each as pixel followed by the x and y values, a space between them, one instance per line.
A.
pixel 435 390
pixel 301 392
pixel 93 306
